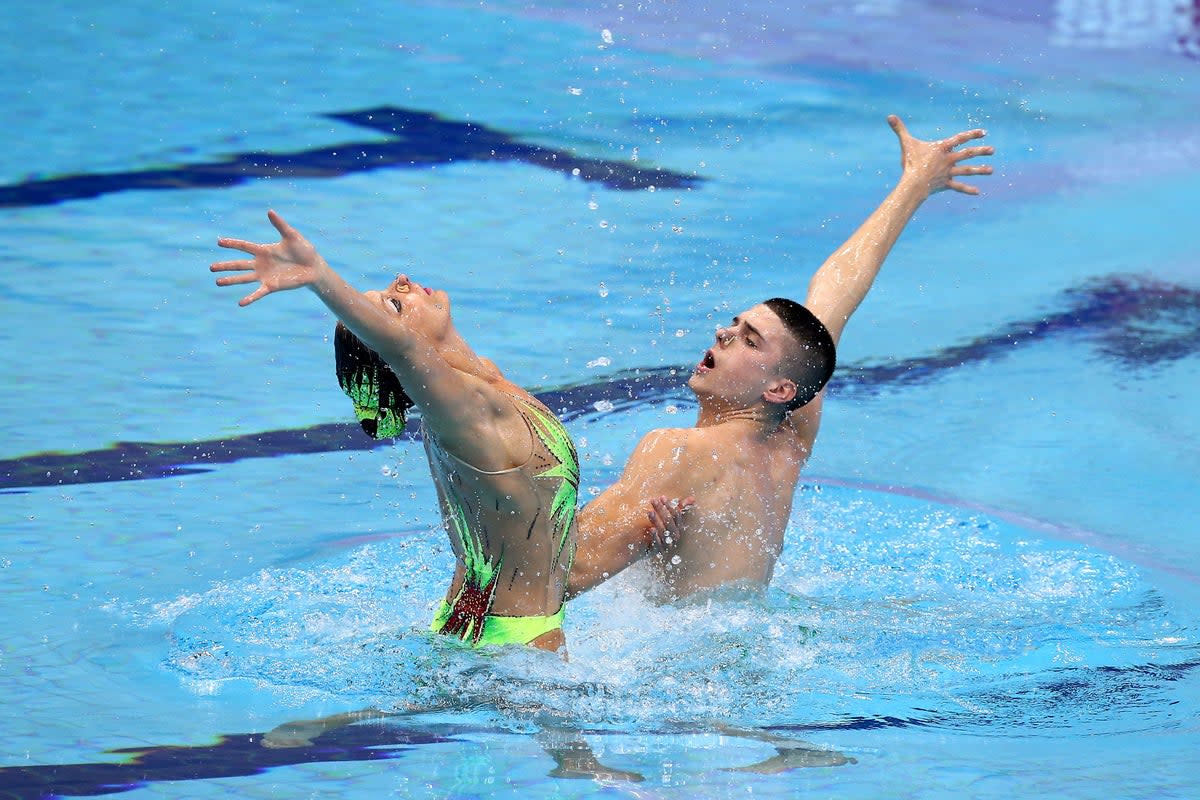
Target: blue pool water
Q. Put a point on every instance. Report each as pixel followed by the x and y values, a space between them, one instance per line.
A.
pixel 991 579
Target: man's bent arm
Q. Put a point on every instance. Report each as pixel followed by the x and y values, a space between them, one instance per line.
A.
pixel 610 539
pixel 839 286
pixel 614 529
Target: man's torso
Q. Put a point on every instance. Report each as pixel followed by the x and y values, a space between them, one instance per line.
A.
pixel 743 490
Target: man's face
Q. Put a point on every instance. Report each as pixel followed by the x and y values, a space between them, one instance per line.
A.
pixel 746 360
pixel 423 310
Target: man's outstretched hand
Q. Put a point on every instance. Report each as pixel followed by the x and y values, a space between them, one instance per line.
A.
pixel 938 164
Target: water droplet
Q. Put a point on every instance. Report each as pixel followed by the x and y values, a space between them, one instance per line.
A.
pixel 603 289
pixel 606 36
pixel 575 90
pixel 676 559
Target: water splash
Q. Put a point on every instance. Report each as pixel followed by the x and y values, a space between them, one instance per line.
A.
pixel 885 610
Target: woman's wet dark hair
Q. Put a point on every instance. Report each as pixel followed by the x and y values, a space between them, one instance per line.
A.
pixel 380 402
pixel 817 355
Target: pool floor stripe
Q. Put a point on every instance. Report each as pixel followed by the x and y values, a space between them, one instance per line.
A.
pixel 415 140
pixel 1134 322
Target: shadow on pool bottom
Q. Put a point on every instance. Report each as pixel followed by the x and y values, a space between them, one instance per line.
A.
pixel 233 755
pixel 243 754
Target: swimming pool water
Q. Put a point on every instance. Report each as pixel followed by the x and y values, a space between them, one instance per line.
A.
pixel 991 577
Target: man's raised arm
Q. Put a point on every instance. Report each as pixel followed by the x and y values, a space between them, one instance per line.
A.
pixel 842 282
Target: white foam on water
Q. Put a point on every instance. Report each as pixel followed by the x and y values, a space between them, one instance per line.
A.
pixel 882 607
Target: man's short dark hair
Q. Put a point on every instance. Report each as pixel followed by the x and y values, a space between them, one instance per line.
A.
pixel 815 356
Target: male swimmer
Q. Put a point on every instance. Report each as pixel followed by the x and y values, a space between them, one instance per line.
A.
pixel 760 392
pixel 506 471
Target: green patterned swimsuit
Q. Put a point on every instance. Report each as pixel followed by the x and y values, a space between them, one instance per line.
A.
pixel 530 536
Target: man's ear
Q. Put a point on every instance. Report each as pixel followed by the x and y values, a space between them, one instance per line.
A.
pixel 781 391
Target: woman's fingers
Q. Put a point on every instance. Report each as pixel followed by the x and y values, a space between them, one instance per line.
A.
pixel 235 280
pixel 281 225
pixel 666 519
pixel 231 266
pixel 239 244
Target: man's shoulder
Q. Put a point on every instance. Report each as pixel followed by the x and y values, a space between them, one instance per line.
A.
pixel 662 451
pixel 668 434
pixel 689 449
pixel 674 439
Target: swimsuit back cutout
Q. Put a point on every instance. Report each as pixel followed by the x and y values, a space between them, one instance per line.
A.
pixel 513 530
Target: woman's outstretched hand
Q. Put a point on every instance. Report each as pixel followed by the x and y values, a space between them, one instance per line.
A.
pixel 290 263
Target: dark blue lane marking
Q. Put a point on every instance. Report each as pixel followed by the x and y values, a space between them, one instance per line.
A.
pixel 417 140
pixel 235 755
pixel 144 460
pixel 1061 699
pixel 1136 322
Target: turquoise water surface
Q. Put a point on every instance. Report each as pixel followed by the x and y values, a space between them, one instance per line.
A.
pixel 992 575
